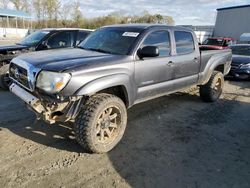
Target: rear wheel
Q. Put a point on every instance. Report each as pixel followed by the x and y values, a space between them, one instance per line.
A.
pixel 4 77
pixel 101 123
pixel 212 90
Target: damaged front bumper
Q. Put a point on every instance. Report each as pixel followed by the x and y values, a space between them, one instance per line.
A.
pixel 52 110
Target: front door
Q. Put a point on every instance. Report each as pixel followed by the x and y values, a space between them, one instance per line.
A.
pixel 151 74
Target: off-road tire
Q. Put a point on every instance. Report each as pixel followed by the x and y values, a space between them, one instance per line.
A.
pixel 86 122
pixel 3 71
pixel 208 93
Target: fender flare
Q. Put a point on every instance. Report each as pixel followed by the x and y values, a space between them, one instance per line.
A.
pixel 211 66
pixel 107 82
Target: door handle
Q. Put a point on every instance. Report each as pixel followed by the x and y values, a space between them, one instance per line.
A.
pixel 196 60
pixel 170 63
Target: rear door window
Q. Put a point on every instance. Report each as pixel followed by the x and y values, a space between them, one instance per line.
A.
pixel 184 42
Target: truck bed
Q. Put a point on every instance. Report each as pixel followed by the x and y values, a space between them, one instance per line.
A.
pixel 212 55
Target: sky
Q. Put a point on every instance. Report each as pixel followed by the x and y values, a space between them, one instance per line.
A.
pixel 184 12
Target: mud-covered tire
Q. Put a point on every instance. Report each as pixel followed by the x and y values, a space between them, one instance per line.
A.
pixel 3 74
pixel 91 119
pixel 211 91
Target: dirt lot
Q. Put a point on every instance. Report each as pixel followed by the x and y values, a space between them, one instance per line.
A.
pixel 175 141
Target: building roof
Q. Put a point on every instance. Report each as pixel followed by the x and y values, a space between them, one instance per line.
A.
pixel 13 13
pixel 233 7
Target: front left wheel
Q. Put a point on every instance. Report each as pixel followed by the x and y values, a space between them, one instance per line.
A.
pixel 101 123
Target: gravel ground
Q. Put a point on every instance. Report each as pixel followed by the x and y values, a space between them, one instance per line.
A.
pixel 174 141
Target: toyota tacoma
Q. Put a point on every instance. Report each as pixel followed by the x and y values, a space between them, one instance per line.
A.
pixel 114 68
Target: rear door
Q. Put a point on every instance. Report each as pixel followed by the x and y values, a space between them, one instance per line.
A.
pixel 152 73
pixel 186 59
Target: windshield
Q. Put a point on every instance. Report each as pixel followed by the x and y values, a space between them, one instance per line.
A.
pixel 111 40
pixel 214 42
pixel 34 38
pixel 241 50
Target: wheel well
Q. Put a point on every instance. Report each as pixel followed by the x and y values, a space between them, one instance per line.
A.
pixel 119 91
pixel 220 68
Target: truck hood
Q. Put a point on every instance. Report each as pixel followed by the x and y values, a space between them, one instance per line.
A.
pixel 71 59
pixel 12 47
pixel 240 59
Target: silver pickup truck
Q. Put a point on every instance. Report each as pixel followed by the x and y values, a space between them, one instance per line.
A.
pixel 113 69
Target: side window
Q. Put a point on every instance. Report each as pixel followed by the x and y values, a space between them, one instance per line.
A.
pixel 184 42
pixel 227 43
pixel 81 36
pixel 159 39
pixel 61 40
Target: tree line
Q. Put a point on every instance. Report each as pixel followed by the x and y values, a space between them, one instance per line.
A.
pixel 58 13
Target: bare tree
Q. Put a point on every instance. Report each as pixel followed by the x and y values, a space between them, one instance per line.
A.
pixel 66 10
pixel 37 10
pixel 4 3
pixel 26 5
pixel 77 15
pixel 67 13
pixel 17 4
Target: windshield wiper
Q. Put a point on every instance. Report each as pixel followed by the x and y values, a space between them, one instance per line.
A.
pixel 99 50
pixel 81 47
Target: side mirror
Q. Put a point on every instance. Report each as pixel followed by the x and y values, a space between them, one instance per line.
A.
pixel 148 51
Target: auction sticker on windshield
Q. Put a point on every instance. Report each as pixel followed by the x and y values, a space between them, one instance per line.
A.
pixel 130 34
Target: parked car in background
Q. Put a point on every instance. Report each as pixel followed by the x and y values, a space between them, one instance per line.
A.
pixel 217 43
pixel 115 68
pixel 240 67
pixel 44 39
pixel 245 38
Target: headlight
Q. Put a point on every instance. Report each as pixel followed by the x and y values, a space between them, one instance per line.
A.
pixel 52 82
pixel 245 66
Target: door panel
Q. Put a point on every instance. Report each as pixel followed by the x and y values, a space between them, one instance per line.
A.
pixel 186 65
pixel 150 73
pixel 186 60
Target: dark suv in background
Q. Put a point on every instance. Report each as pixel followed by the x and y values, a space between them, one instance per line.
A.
pixel 241 62
pixel 44 39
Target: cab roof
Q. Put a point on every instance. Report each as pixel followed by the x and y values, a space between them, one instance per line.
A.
pixel 66 29
pixel 145 26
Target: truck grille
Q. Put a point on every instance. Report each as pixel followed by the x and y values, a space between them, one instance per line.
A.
pixel 23 73
pixel 19 74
